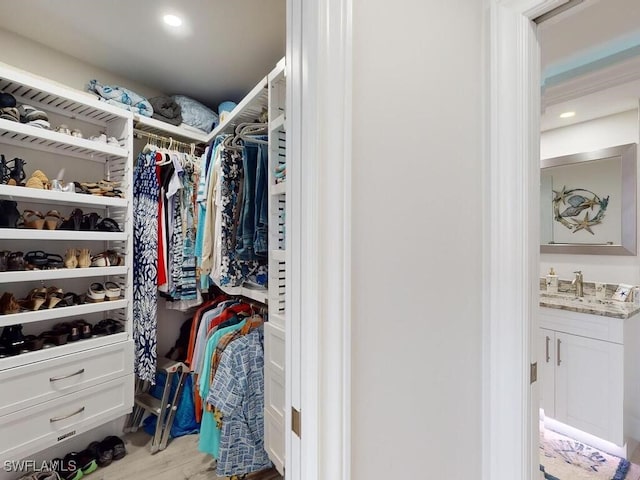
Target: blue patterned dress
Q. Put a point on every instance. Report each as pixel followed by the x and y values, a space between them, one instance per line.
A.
pixel 145 265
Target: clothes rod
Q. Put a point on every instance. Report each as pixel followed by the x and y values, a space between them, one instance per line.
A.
pixel 168 140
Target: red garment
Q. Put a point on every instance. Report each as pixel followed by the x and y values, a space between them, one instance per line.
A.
pixel 162 267
pixel 228 313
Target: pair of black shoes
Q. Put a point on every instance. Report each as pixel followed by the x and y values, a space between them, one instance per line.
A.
pixel 76 465
pixel 89 222
pixel 108 450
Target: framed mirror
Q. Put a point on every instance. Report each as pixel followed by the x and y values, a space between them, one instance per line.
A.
pixel 588 202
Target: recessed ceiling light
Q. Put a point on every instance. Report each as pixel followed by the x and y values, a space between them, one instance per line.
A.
pixel 567 114
pixel 172 20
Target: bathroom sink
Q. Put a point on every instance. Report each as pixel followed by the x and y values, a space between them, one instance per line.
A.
pixel 571 298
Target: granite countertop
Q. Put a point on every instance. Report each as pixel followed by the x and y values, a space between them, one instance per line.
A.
pixel 566 299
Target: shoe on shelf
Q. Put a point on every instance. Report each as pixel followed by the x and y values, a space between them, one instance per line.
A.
pixel 71 258
pixel 9 304
pixel 12 338
pixel 71 330
pixel 84 258
pixel 96 293
pixel 32 219
pixel 108 258
pixel 90 222
pixel 4 260
pixel 112 291
pixel 14 171
pixel 70 299
pixel 34 300
pixel 107 225
pixel 38 180
pixel 52 219
pixel 9 214
pixel 74 222
pixel 15 262
pixel 84 327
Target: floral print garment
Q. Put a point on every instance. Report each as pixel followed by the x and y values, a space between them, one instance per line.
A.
pixel 145 265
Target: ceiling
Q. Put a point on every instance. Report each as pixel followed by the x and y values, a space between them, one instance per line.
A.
pixel 223 48
pixel 590 61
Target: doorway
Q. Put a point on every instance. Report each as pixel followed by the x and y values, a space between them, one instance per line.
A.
pixel 513 264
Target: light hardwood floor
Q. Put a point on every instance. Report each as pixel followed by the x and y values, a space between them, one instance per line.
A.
pixel 181 460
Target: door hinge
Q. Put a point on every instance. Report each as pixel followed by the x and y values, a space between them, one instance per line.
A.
pixel 296 422
pixel 533 373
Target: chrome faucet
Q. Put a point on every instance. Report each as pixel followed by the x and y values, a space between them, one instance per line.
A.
pixel 577 281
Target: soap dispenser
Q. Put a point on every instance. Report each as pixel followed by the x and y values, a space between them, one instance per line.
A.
pixel 552 281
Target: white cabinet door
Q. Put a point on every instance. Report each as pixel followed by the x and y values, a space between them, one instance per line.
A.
pixel 546 371
pixel 589 385
pixel 274 394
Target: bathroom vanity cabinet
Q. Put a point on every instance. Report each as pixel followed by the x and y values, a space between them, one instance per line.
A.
pixel 590 372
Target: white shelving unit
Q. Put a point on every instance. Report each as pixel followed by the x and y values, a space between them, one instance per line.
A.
pixel 64 312
pixel 274 333
pixel 60 198
pixel 60 274
pixel 66 235
pixel 80 159
pixel 156 127
pixel 248 110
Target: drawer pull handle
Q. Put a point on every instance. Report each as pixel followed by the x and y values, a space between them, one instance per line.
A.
pixel 559 361
pixel 62 377
pixel 547 349
pixel 57 419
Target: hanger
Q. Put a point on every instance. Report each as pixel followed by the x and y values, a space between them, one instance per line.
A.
pixel 244 131
pixel 229 143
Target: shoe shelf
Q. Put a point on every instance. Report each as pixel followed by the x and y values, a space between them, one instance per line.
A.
pixel 53 97
pixel 68 348
pixel 28 136
pixel 35 195
pixel 62 312
pixel 69 235
pixel 60 273
pixel 156 127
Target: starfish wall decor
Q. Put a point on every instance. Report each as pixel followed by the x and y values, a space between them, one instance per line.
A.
pixel 576 201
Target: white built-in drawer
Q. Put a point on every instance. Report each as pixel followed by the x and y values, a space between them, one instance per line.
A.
pixel 274 393
pixel 39 382
pixel 34 429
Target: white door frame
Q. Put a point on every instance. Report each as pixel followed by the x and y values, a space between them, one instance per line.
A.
pixel 319 108
pixel 510 404
pixel 318 234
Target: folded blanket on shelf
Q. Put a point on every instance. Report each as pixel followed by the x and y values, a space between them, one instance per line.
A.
pixel 122 97
pixel 166 109
pixel 196 114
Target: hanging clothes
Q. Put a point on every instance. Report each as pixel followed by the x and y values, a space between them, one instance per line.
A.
pixel 237 393
pixel 233 271
pixel 145 249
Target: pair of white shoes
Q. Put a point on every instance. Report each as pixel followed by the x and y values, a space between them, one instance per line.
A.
pixel 102 138
pixel 99 293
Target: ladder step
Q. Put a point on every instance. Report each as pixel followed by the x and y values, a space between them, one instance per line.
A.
pixel 149 403
pixel 170 366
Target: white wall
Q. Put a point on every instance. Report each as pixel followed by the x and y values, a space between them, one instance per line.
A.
pixel 54 65
pixel 596 134
pixel 417 239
